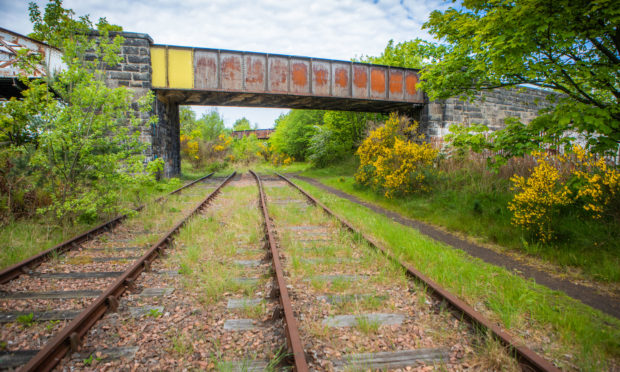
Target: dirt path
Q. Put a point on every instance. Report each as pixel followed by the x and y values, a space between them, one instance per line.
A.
pixel 588 296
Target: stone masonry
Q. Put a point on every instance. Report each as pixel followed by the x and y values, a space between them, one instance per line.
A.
pixel 134 72
pixel 490 108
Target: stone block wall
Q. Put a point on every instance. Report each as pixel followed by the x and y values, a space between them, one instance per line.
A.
pixel 489 108
pixel 134 72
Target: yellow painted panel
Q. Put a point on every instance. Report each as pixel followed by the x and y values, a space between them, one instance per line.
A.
pixel 158 63
pixel 180 68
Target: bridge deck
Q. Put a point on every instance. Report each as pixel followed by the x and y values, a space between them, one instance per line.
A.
pixel 223 77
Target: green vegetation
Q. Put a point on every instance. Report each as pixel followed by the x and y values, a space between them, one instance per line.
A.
pixel 221 229
pixel 154 313
pixel 518 304
pixel 69 145
pixel 467 197
pixel 26 320
pixel 570 47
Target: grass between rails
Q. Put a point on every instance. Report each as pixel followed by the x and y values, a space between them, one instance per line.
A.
pixel 214 238
pixel 575 335
pixel 324 259
pixel 26 237
pixel 473 202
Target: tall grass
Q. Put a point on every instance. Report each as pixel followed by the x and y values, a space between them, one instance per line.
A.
pixel 470 198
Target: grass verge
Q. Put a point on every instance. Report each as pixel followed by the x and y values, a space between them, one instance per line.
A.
pixel 476 203
pixel 26 237
pixel 573 334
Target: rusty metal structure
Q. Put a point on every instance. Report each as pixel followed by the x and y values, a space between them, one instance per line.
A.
pixel 198 76
pixel 292 331
pixel 527 358
pixel 10 44
pixel 261 134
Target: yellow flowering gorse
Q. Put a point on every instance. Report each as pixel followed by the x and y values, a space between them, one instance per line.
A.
pixel 590 184
pixel 389 161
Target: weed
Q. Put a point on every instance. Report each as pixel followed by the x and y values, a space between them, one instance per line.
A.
pixel 26 319
pixel 254 311
pixel 88 361
pixel 154 313
pixel 51 324
pixel 366 325
pixel 182 344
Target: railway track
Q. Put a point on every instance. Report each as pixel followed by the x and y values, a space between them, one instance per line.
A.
pixel 49 300
pixel 277 281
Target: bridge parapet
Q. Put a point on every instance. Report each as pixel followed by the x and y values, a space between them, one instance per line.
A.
pixel 260 79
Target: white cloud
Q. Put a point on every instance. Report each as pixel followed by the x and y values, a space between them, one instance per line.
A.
pixel 331 29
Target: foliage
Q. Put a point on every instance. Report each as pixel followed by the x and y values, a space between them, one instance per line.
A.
pixel 247 149
pixel 323 137
pixel 242 124
pixel 514 140
pixel 574 181
pixel 293 132
pixel 325 148
pixel 391 162
pixel 597 184
pixel 75 136
pixel 404 54
pixel 207 128
pixel 539 200
pixel 569 47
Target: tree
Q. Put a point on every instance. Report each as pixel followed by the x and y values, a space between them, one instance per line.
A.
pixel 242 124
pixel 211 125
pixel 568 46
pixel 293 131
pixel 187 119
pixel 85 149
pixel 404 54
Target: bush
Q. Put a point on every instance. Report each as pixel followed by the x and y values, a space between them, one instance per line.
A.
pixel 577 182
pixel 391 162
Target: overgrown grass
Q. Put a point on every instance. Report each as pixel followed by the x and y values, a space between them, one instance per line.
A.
pixel 546 319
pixel 220 229
pixel 472 201
pixel 24 238
pixel 190 172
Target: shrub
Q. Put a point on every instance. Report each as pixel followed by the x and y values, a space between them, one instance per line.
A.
pixel 539 200
pixel 576 181
pixel 391 162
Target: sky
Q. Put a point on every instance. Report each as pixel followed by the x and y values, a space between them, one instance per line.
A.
pixel 334 29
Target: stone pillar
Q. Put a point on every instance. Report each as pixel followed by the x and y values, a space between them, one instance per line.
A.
pixel 166 136
pixel 134 72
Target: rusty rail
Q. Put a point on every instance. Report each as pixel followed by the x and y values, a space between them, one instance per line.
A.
pixel 292 331
pixel 70 336
pixel 527 358
pixel 14 271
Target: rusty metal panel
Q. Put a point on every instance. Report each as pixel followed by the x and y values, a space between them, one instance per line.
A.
pixel 396 85
pixel 231 71
pixel 300 75
pixel 12 42
pixel 360 81
pixel 341 82
pixel 206 65
pixel 320 78
pixel 255 71
pixel 411 92
pixel 278 74
pixel 378 79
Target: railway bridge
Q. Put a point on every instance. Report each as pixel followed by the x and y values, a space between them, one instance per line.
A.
pixel 201 76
